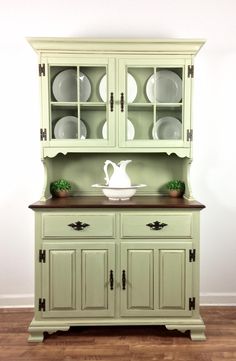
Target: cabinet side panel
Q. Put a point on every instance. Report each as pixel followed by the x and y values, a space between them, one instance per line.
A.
pixel 94 279
pixel 140 279
pixel 172 279
pixel 62 282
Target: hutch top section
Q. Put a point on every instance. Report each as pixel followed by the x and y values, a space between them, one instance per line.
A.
pixel 116 95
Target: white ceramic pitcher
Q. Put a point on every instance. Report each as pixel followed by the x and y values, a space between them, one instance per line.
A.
pixel 119 177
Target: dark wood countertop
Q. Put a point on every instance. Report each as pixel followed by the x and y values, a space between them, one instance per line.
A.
pixel 103 202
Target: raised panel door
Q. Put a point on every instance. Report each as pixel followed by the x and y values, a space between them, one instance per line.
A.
pixel 138 275
pixel 78 279
pixel 59 281
pixel 96 280
pixel 156 279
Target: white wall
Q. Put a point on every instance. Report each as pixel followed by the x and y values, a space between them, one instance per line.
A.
pixel 213 170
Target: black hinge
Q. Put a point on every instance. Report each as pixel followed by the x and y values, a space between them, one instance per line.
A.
pixel 190 71
pixel 192 303
pixel 189 135
pixel 41 69
pixel 42 304
pixel 43 134
pixel 192 255
pixel 42 255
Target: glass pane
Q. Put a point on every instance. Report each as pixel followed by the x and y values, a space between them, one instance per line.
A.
pixel 94 120
pixel 136 83
pixel 64 122
pixel 168 123
pixel 63 82
pixel 140 122
pixel 77 102
pixel 93 84
pixel 168 85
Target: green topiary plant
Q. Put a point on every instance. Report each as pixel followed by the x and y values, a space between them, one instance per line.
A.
pixel 60 188
pixel 176 188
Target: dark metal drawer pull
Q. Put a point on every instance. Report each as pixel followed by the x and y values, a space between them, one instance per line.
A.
pixel 111 280
pixel 156 226
pixel 123 280
pixel 78 226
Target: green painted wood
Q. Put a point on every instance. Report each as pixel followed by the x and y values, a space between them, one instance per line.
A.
pixel 145 118
pixel 177 225
pixel 76 279
pixel 172 279
pixel 94 279
pixel 137 261
pixel 95 262
pixel 83 170
pixel 62 279
pixel 74 45
pixel 58 225
pixel 94 112
pixel 140 274
pixel 159 279
pixel 59 278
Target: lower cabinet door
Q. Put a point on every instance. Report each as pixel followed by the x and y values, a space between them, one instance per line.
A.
pixel 156 279
pixel 78 280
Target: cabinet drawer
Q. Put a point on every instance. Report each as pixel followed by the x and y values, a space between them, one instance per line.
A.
pixel 156 225
pixel 78 225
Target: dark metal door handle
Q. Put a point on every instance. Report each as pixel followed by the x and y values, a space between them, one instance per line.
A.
pixel 111 102
pixel 123 280
pixel 122 102
pixel 111 280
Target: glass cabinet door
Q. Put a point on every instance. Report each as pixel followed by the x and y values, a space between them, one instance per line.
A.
pixel 155 107
pixel 80 106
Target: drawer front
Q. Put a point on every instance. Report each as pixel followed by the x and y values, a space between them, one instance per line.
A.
pixel 157 225
pixel 78 225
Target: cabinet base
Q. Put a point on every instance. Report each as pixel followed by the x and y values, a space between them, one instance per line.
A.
pixel 37 329
pixel 195 326
pixel 197 332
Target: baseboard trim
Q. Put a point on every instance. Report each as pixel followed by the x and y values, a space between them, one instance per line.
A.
pixel 218 299
pixel 23 300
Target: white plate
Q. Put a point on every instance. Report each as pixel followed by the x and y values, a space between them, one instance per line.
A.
pixel 131 131
pixel 167 128
pixel 132 88
pixel 64 86
pixel 67 128
pixel 168 87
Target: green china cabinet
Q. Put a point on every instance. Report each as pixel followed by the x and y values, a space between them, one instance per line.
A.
pixel 100 261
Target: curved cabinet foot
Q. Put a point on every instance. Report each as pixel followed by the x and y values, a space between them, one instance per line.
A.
pixel 37 329
pixel 198 334
pixel 197 331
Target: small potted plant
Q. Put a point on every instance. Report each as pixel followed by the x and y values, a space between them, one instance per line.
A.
pixel 176 188
pixel 60 188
